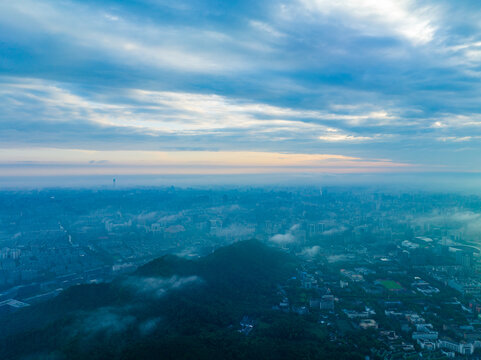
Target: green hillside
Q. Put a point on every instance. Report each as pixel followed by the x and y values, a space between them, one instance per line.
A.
pixel 172 308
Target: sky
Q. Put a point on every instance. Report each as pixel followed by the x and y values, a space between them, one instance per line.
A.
pixel 239 87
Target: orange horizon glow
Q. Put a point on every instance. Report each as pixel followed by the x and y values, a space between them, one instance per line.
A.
pixel 48 162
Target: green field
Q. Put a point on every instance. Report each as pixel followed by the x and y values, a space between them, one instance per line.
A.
pixel 390 284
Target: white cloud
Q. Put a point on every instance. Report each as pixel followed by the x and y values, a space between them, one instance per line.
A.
pixel 287 238
pixel 283 238
pixel 123 40
pixel 335 230
pixel 236 231
pixel 375 17
pixel 468 222
pixel 264 27
pixel 159 286
pixel 176 112
pixel 311 252
pixel 458 138
pixel 342 137
pixel 109 320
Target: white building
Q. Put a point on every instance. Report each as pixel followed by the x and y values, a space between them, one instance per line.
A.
pixel 462 348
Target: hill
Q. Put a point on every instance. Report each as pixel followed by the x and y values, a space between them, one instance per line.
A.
pixel 172 308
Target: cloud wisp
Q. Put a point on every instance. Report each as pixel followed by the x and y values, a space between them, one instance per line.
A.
pixel 157 287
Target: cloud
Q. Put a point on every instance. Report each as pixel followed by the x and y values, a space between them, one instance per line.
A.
pixel 371 17
pixel 311 252
pixel 147 216
pixel 108 320
pixel 264 27
pixel 287 238
pixel 73 162
pixel 188 252
pixel 157 113
pixel 158 287
pixel 236 231
pixel 339 258
pixel 148 326
pixel 335 230
pixel 170 218
pixel 283 238
pixel 335 137
pixel 365 79
pixel 464 221
pixel 120 39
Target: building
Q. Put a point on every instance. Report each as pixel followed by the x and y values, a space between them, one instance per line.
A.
pixel 327 302
pixel 424 332
pixel 368 324
pixel 428 335
pixel 11 305
pixel 462 348
pixel 427 344
pixel 315 303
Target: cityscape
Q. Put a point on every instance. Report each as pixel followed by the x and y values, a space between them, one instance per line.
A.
pixel 399 269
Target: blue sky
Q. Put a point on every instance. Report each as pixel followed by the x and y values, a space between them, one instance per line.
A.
pixel 214 87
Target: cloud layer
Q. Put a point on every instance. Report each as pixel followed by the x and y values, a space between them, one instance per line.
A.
pixel 392 82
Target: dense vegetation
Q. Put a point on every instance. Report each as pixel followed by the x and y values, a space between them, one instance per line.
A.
pixel 172 308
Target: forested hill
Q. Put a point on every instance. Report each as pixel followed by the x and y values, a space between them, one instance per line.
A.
pixel 245 268
pixel 173 308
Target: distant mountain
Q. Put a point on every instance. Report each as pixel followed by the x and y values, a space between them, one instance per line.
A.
pixel 172 308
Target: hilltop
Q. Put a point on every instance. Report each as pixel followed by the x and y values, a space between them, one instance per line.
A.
pixel 173 308
pixel 166 298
